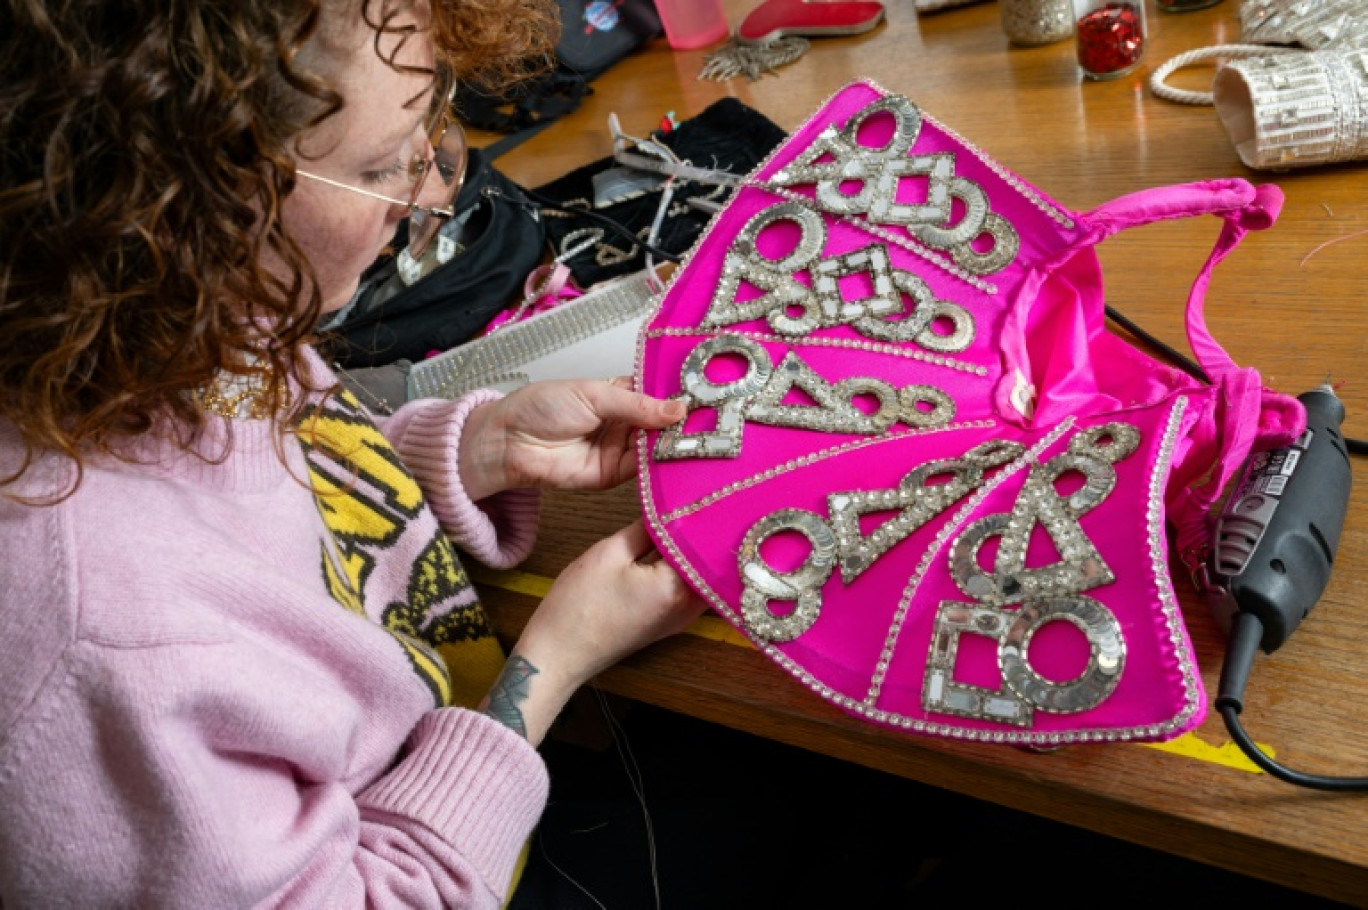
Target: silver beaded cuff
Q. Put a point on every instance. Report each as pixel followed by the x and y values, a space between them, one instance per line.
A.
pixel 1296 110
pixel 1311 24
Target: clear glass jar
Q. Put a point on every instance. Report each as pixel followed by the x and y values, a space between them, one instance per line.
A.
pixel 1110 36
pixel 1034 22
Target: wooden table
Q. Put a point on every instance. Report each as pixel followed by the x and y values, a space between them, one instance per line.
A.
pixel 1281 303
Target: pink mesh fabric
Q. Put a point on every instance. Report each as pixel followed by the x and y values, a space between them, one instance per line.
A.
pixel 918 471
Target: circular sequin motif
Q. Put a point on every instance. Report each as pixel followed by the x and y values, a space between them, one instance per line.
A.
pixel 801 586
pixel 1106 655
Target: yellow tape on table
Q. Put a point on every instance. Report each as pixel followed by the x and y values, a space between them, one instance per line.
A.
pixel 1227 754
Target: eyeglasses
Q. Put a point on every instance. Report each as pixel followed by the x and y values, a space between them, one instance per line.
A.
pixel 448 160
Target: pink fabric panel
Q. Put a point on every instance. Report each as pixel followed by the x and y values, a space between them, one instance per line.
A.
pixel 1042 373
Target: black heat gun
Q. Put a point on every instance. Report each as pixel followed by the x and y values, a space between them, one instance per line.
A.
pixel 1274 548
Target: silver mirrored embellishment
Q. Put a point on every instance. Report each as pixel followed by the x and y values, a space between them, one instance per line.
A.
pixel 925 406
pixel 1046 593
pixel 759 369
pixel 1080 566
pixel 774 277
pixel 836 159
pixel 942 693
pixel 922 324
pixel 1005 243
pixel 944 235
pixel 961 333
pixel 724 439
pixel 1106 654
pixel 835 411
pixel 923 493
pixel 763 584
pixel 836 156
pixel 759 395
pixel 871 260
pixel 1111 441
pixel 1023 690
pixel 793 309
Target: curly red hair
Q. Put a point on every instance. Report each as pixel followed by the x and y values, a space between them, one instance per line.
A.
pixel 144 157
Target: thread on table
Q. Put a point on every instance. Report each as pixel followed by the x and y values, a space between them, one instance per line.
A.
pixel 541 845
pixel 634 777
pixel 1331 242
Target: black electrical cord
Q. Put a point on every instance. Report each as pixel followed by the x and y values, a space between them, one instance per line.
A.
pixel 1173 354
pixel 1245 635
pixel 1247 629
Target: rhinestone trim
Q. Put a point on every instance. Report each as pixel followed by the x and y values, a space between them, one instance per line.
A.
pixel 758 397
pixel 938 544
pixel 871 346
pixel 810 459
pixel 1049 208
pixel 1168 600
pixel 822 305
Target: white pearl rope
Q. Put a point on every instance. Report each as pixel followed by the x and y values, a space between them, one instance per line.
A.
pixel 1232 51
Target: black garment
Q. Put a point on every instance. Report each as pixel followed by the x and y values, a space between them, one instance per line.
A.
pixel 727 136
pixel 594 36
pixel 503 239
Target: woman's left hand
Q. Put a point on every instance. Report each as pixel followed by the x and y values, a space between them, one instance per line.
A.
pixel 571 434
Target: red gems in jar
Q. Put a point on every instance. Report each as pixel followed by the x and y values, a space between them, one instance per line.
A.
pixel 1111 39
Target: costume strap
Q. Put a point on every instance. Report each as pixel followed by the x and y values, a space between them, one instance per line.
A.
pixel 1242 206
pixel 1248 417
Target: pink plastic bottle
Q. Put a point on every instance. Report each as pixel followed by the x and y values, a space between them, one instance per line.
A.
pixel 692 23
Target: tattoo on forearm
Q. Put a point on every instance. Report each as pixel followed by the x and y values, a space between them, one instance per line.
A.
pixel 509 692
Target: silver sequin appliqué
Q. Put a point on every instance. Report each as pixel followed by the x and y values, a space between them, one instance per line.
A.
pixel 794 309
pixel 924 492
pixel 837 159
pixel 758 395
pixel 1046 593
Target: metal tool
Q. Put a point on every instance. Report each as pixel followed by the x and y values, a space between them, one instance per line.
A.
pixel 1276 538
pixel 1275 545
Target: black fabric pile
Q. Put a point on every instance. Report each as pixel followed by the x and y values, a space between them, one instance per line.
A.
pixel 727 136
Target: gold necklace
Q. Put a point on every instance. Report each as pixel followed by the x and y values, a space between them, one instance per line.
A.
pixel 236 397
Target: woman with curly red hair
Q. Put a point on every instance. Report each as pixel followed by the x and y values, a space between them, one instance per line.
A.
pixel 240 663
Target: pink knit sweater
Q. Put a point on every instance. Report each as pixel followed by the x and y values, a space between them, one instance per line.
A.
pixel 222 684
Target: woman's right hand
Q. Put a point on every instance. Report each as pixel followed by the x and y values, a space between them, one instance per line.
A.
pixel 616 598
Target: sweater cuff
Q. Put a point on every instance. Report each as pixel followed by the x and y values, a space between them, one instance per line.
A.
pixel 502 528
pixel 475 783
